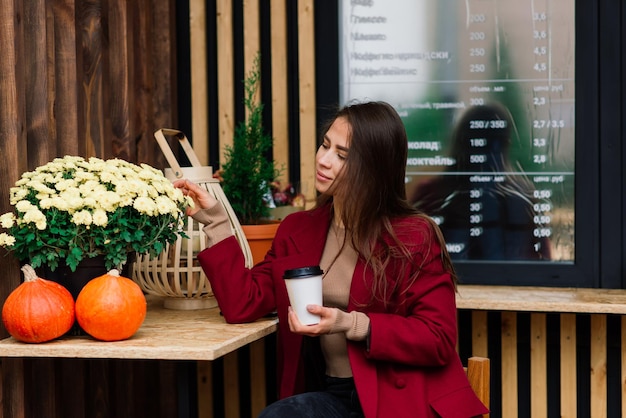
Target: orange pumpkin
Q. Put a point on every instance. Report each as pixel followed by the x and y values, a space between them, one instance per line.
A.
pixel 38 310
pixel 111 307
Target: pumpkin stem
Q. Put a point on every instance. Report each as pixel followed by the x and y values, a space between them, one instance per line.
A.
pixel 114 272
pixel 29 273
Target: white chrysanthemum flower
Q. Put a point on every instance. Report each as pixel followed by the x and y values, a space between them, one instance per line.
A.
pixel 35 216
pixel 90 202
pixel 40 187
pixel 145 205
pixel 108 201
pixel 82 217
pixel 17 194
pixel 46 202
pixel 58 202
pixel 139 187
pixel 100 217
pixel 24 206
pixel 165 206
pixel 6 240
pixel 65 184
pixel 7 220
pixel 73 200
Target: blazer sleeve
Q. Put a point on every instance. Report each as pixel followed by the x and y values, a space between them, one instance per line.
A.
pixel 243 295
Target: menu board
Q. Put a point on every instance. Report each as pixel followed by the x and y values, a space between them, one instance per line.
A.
pixel 486 89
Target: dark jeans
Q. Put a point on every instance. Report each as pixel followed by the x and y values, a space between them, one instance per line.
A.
pixel 338 400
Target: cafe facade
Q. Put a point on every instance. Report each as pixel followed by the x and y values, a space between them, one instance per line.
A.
pixel 95 78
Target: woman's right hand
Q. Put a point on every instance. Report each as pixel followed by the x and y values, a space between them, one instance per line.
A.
pixel 201 197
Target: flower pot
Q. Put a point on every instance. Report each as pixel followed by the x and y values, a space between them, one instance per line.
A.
pixel 87 269
pixel 260 239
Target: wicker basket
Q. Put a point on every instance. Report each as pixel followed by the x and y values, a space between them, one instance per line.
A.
pixel 176 273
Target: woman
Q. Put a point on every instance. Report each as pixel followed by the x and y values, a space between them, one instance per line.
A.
pixel 385 344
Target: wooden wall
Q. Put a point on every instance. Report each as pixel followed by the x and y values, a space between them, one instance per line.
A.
pixel 89 78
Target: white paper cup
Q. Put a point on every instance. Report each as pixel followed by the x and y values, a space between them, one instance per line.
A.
pixel 304 287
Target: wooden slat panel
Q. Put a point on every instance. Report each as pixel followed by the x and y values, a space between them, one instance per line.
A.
pixel 509 364
pixel 568 365
pixel 71 375
pixel 538 365
pixel 623 345
pixel 251 34
pixel 205 388
pixel 258 397
pixel 231 385
pixel 306 62
pixel 66 88
pixel 92 111
pixel 120 68
pixel 199 80
pixel 142 82
pixel 598 366
pixel 226 99
pixel 479 334
pixel 36 89
pixel 162 64
pixel 280 123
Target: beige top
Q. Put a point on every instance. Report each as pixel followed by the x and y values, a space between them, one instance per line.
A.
pixel 336 291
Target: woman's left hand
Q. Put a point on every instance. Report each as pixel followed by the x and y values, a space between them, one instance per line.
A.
pixel 328 316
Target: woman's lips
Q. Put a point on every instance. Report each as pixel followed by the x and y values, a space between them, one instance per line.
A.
pixel 322 177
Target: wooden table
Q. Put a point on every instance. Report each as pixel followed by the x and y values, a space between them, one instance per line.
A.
pixel 165 335
pixel 541 299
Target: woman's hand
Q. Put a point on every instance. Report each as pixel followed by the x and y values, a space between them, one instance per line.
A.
pixel 201 197
pixel 328 316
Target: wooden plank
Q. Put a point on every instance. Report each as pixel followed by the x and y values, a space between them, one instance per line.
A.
pixel 509 364
pixel 231 385
pixel 66 97
pixel 199 134
pixel 623 345
pixel 568 366
pixel 91 78
pixel 541 299
pixel 71 374
pixel 225 78
pixel 251 35
pixel 598 366
pixel 205 388
pixel 143 88
pixel 13 402
pixel 479 334
pixel 35 58
pixel 258 392
pixel 307 108
pixel 162 61
pixel 12 144
pixel 120 68
pixel 538 365
pixel 280 101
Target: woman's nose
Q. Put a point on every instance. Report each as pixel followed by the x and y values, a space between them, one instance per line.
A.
pixel 323 159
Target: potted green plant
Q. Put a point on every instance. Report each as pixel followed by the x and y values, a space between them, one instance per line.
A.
pixel 248 172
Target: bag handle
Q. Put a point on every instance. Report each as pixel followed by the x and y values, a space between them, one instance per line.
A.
pixel 167 151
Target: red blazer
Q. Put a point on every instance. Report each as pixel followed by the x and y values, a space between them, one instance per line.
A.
pixel 411 368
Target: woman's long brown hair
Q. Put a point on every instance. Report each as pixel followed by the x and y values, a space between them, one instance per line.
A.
pixel 372 191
